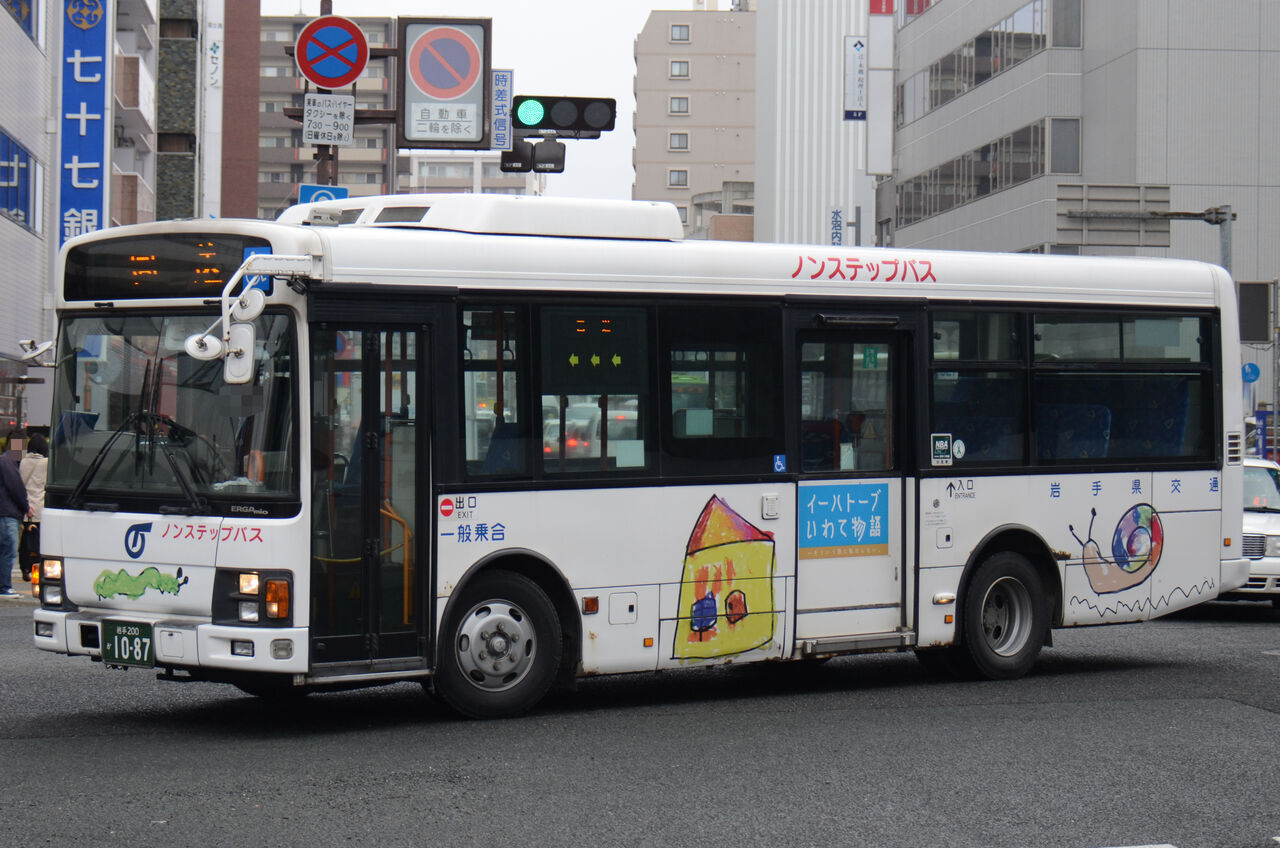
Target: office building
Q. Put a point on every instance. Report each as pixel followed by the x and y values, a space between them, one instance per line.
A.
pixel 1093 127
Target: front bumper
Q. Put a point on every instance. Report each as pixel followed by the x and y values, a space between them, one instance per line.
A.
pixel 179 642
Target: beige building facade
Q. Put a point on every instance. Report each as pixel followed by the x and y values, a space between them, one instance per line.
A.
pixel 695 116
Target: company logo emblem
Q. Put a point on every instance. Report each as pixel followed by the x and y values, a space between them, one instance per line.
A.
pixel 135 539
pixel 85 14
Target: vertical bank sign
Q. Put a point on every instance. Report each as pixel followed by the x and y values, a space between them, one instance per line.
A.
pixel 84 157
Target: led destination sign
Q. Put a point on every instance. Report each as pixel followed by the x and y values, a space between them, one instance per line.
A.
pixel 196 265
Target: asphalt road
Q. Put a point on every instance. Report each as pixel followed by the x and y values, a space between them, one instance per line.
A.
pixel 1163 733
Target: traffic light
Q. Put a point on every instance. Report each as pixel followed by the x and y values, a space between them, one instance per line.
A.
pixel 563 114
pixel 545 157
pixel 519 159
pixel 548 157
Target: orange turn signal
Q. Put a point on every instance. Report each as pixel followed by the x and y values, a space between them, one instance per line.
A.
pixel 277 599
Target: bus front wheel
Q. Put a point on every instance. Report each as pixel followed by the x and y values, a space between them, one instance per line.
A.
pixel 1005 617
pixel 501 646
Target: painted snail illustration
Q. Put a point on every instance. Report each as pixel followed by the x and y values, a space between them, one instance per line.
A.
pixel 1135 550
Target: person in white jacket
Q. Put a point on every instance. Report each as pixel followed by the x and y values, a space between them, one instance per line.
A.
pixel 33 469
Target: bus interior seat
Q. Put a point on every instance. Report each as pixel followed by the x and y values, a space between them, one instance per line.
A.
pixel 506 450
pixel 1072 430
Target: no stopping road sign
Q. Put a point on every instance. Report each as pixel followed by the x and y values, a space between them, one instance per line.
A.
pixel 331 52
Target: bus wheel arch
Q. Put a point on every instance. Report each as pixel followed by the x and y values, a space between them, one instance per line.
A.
pixel 1008 602
pixel 504 603
pixel 1031 547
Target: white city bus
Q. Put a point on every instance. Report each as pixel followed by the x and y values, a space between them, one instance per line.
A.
pixel 494 443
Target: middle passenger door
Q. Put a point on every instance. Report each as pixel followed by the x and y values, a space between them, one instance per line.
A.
pixel 852 501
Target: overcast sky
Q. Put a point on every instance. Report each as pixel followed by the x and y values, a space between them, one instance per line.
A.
pixel 570 47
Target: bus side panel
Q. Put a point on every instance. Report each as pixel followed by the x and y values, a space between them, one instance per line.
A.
pixel 1189 508
pixel 684 575
pixel 1130 545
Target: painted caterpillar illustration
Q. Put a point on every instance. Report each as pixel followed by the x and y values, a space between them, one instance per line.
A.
pixel 1135 550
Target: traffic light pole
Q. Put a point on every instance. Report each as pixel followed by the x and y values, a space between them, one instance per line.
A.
pixel 1219 216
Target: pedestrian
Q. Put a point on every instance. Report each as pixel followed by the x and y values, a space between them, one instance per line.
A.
pixel 13 508
pixel 32 469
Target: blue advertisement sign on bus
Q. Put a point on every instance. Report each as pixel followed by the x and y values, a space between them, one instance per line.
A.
pixel 845 520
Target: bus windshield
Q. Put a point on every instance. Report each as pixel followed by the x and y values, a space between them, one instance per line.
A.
pixel 135 417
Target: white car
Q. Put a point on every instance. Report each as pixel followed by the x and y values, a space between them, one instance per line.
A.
pixel 1261 539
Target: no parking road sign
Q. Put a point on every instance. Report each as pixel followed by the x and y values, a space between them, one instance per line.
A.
pixel 331 52
pixel 443 89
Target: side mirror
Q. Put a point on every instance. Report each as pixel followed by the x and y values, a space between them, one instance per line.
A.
pixel 238 366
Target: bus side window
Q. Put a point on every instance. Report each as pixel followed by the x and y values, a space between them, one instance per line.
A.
pixel 494 366
pixel 722 374
pixel 594 385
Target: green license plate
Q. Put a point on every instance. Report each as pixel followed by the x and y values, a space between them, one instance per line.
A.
pixel 128 643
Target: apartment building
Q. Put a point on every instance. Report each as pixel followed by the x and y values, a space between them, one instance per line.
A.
pixel 695 116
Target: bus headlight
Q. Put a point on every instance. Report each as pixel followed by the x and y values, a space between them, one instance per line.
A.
pixel 52 595
pixel 249 583
pixel 1273 546
pixel 258 597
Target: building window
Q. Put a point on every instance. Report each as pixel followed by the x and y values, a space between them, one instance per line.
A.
pixel 278 35
pixel 26 14
pixel 680 32
pixel 21 184
pixel 1066 23
pixel 175 143
pixel 277 70
pixel 678 141
pixel 679 69
pixel 678 106
pixel 1064 145
pixel 677 178
pixel 1003 45
pixel 177 28
pixel 684 214
pixel 1006 162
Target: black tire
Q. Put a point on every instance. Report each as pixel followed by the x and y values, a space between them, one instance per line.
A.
pixel 500 647
pixel 1004 618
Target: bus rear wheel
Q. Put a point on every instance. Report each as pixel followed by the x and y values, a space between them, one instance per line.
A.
pixel 500 647
pixel 1005 617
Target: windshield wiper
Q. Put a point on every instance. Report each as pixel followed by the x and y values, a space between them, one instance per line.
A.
pixel 196 503
pixel 82 485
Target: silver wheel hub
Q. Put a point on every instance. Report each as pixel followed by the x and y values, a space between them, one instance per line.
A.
pixel 1006 616
pixel 495 645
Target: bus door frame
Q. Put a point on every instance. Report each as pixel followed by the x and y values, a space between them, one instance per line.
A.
pixel 850 618
pixel 365 309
